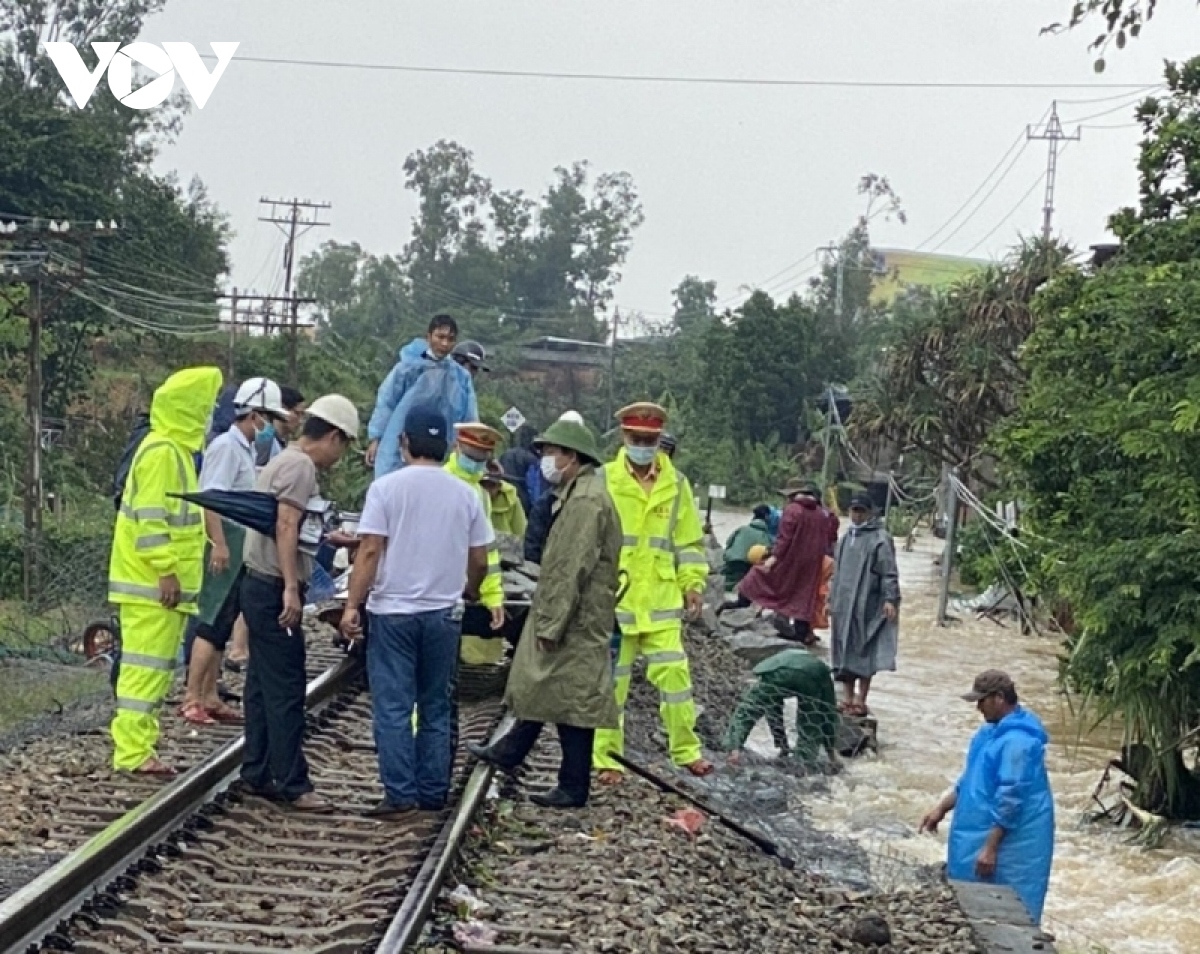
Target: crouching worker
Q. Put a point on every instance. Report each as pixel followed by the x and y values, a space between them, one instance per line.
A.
pixel 792 674
pixel 562 670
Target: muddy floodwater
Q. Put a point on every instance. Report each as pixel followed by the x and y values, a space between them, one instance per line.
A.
pixel 1104 893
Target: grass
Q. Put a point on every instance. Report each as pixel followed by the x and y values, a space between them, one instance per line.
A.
pixel 32 690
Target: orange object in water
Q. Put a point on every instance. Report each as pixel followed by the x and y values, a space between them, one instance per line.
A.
pixel 689 820
pixel 820 618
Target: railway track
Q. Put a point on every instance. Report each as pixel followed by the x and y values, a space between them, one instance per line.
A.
pixel 60 790
pixel 195 865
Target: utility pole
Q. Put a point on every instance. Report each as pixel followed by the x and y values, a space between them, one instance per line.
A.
pixel 835 257
pixel 612 362
pixel 291 225
pixel 233 320
pixel 950 479
pixel 31 266
pixel 1053 134
pixel 243 304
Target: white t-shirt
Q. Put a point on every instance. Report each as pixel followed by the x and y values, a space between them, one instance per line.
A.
pixel 430 519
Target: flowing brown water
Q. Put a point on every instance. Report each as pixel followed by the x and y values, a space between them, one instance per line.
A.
pixel 1103 892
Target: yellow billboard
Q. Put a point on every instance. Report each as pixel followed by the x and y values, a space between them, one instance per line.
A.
pixel 899 268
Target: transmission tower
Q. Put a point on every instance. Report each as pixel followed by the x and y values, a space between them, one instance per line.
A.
pixel 1053 134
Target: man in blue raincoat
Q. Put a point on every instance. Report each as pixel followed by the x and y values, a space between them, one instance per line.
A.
pixel 1003 825
pixel 423 375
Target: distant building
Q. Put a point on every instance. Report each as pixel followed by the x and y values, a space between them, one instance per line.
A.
pixel 564 366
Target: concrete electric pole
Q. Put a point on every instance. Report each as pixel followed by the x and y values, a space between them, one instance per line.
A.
pixel 293 226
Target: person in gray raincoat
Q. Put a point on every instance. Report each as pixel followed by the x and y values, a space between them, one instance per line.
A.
pixel 864 606
pixel 562 670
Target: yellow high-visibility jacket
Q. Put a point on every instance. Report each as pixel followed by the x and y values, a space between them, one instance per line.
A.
pixel 663 545
pixel 491 591
pixel 508 516
pixel 157 535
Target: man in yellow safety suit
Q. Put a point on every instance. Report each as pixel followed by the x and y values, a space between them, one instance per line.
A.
pixel 157 562
pixel 663 555
pixel 475 444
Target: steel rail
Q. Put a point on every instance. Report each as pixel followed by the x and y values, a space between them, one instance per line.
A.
pixel 418 902
pixel 761 842
pixel 36 909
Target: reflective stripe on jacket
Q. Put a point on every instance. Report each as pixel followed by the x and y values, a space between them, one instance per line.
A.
pixel 662 545
pixel 157 534
pixel 491 590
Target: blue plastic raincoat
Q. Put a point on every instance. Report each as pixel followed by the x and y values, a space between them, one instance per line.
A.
pixel 1005 783
pixel 417 379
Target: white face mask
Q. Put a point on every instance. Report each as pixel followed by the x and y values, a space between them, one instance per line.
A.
pixel 550 470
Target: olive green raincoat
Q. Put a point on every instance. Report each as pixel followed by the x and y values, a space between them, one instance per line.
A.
pixel 574 608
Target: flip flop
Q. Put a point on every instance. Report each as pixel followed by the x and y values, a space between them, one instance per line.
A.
pixel 226 715
pixel 700 768
pixel 196 714
pixel 610 777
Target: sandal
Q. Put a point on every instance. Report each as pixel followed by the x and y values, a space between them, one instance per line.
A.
pixel 610 777
pixel 700 768
pixel 226 715
pixel 196 714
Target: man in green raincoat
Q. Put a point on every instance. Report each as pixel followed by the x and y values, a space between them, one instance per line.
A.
pixel 562 671
pixel 791 674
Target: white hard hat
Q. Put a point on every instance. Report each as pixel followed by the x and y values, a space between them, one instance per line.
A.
pixel 338 411
pixel 260 394
pixel 573 416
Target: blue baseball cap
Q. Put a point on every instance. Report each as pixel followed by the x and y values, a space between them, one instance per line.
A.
pixel 426 421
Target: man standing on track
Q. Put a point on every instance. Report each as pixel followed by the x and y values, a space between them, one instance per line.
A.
pixel 276 577
pixel 561 672
pixel 157 562
pixel 663 555
pixel 228 466
pixel 415 591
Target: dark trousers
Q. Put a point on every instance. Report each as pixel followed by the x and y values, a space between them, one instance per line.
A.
pixel 575 769
pixel 273 700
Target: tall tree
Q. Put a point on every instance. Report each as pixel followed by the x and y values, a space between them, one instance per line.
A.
pixel 1103 449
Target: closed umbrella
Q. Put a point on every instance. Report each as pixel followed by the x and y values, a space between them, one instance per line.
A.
pixel 253 509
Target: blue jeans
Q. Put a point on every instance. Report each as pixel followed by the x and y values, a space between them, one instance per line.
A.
pixel 412 661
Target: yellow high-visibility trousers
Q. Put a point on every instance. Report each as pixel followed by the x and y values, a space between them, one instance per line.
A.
pixel 150 641
pixel 667 670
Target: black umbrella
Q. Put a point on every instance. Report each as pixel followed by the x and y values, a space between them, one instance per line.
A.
pixel 249 508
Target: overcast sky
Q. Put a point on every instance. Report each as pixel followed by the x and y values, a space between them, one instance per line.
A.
pixel 738 182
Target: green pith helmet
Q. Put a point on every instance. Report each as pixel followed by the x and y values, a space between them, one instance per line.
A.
pixel 572 436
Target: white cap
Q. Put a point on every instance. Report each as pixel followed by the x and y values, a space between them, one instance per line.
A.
pixel 338 411
pixel 573 416
pixel 260 394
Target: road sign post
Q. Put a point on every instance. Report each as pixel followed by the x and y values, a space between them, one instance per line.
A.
pixel 513 419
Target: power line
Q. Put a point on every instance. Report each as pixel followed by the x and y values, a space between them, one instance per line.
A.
pixel 681 80
pixel 982 185
pixel 1011 212
pixel 982 202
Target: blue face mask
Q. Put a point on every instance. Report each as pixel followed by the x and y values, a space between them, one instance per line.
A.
pixel 266 435
pixel 640 456
pixel 469 466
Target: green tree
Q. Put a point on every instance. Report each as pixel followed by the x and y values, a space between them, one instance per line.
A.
pixel 948 368
pixel 1103 448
